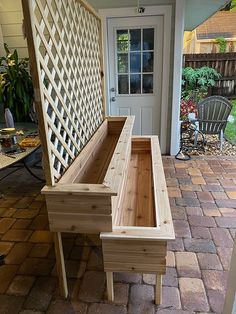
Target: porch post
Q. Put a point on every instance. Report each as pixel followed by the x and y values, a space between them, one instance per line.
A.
pixel 178 58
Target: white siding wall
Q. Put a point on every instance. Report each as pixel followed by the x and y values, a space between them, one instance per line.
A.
pixel 11 18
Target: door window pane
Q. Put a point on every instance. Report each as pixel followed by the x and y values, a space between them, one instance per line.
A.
pixel 123 63
pixel 123 84
pixel 148 39
pixel 147 83
pixel 135 84
pixel 135 62
pixel 135 39
pixel 148 62
pixel 122 40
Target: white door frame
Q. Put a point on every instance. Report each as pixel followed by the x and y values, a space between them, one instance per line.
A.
pixel 165 11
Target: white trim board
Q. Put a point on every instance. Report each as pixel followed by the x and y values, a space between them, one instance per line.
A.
pixel 166 12
pixel 177 75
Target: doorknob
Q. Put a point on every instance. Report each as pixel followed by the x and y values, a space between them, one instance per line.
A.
pixel 113 89
pixel 113 98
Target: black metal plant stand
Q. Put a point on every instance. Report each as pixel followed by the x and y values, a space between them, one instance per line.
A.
pixel 191 139
pixel 22 163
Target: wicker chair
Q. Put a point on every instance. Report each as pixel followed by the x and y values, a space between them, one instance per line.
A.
pixel 213 113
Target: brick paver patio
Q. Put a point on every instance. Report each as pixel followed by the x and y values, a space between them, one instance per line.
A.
pixel 203 200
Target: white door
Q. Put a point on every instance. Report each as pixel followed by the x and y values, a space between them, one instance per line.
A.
pixel 135 70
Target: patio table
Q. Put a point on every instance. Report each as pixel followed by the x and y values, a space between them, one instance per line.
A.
pixel 19 160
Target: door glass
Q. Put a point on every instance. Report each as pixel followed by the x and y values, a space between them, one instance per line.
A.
pixel 135 39
pixel 122 40
pixel 135 84
pixel 135 60
pixel 123 84
pixel 148 62
pixel 148 39
pixel 147 83
pixel 122 63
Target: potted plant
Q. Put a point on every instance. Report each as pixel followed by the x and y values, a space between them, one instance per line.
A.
pixel 16 87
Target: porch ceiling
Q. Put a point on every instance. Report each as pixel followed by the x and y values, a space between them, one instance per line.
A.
pixel 196 11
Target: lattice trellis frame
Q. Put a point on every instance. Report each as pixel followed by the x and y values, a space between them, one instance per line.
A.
pixel 64 40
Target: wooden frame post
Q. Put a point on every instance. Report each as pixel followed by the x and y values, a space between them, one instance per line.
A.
pixel 158 292
pixel 110 286
pixel 61 271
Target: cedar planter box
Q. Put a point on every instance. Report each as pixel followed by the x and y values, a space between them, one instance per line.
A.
pixel 143 223
pixel 116 187
pixel 85 198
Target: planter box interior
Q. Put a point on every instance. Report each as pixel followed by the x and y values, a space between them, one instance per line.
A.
pixel 137 202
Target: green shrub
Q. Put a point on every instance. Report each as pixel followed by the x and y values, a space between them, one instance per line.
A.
pixel 222 44
pixel 195 82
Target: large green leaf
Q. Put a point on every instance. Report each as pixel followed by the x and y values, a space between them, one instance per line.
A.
pixel 195 82
pixel 6 49
pixel 16 90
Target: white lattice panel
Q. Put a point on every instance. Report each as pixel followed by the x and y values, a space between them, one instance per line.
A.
pixel 66 40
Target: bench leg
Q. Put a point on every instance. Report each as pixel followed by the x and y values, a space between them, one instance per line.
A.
pixel 158 293
pixel 110 287
pixel 60 265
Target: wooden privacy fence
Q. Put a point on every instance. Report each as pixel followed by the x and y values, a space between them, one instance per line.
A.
pixel 224 63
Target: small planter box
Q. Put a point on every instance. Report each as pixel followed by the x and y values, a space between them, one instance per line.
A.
pixel 86 197
pixel 143 223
